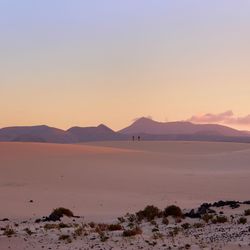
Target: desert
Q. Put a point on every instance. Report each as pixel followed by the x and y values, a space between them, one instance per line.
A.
pixel 102 181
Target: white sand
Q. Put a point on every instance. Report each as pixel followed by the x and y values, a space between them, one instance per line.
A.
pixel 101 181
pixel 105 180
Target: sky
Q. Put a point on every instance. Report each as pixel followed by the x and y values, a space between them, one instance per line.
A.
pixel 65 63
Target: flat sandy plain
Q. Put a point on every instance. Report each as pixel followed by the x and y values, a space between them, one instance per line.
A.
pixel 103 180
pixel 107 179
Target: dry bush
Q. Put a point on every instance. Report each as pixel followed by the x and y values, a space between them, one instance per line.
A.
pixel 220 219
pixel 78 231
pixel 207 217
pixel 165 221
pixel 242 220
pixel 61 211
pixel 92 224
pixel 132 232
pixel 149 213
pixel 28 231
pixel 115 227
pixel 174 232
pixel 101 227
pixel 65 237
pixel 185 226
pixel 198 225
pixel 121 219
pixel 247 212
pixel 8 231
pixel 172 211
pixel 51 226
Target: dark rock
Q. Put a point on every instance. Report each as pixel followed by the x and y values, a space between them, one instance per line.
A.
pixel 232 204
pixel 192 214
pixel 5 219
pixel 38 220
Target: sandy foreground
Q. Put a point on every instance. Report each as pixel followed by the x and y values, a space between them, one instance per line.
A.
pixel 104 180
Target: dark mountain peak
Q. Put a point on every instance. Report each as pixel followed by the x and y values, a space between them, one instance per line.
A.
pixel 38 133
pixel 104 127
pixel 149 126
pixel 144 120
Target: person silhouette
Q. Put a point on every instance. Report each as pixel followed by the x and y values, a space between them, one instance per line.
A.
pixel 139 138
pixel 133 137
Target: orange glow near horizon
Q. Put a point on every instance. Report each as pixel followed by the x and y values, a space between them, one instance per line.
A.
pixel 65 64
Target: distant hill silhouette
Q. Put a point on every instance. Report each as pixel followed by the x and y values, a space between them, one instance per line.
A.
pixel 145 128
pixel 36 134
pixel 99 133
pixel 148 126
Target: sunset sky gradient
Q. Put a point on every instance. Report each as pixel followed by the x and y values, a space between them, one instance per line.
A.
pixel 82 63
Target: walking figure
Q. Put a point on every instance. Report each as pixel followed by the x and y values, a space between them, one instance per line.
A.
pixel 133 138
pixel 139 138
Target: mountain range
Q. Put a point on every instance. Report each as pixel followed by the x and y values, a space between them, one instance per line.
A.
pixel 146 128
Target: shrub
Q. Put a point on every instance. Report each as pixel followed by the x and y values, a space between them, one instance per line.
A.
pixel 149 213
pixel 58 213
pixel 207 217
pixel 247 212
pixel 131 217
pixel 28 231
pixel 66 238
pixel 51 226
pixel 132 232
pixel 103 237
pixel 165 221
pixel 63 225
pixel 121 219
pixel 173 211
pixel 175 231
pixel 101 227
pixel 185 226
pixel 8 231
pixel 220 219
pixel 242 220
pixel 92 224
pixel 178 220
pixel 78 231
pixel 155 229
pixel 198 225
pixel 115 227
pixel 153 222
pixel 63 211
pixel 157 236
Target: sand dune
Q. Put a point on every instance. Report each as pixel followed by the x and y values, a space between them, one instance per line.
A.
pixel 104 180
